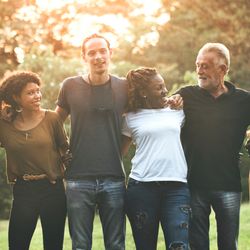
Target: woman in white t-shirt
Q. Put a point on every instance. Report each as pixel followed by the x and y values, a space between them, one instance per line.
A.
pixel 157 188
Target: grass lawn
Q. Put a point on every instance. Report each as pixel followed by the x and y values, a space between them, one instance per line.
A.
pixel 36 244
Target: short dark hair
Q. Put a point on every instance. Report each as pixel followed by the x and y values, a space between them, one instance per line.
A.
pixel 91 37
pixel 14 83
pixel 138 80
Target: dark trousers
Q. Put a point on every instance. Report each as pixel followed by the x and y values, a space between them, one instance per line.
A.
pixel 226 206
pixel 34 199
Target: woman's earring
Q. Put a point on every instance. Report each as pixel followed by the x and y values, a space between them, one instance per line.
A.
pixel 18 109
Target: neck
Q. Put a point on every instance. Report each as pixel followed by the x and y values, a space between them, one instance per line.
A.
pixel 153 105
pixel 94 79
pixel 219 91
pixel 27 115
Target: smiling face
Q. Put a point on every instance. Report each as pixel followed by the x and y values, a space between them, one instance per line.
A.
pixel 30 97
pixel 156 92
pixel 97 55
pixel 210 71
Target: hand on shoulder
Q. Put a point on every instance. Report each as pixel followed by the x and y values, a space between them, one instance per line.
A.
pixel 174 102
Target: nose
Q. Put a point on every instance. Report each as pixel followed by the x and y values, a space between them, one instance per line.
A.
pixel 38 95
pixel 199 70
pixel 164 91
pixel 98 55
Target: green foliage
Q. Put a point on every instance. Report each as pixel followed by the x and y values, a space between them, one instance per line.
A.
pixel 5 194
pixel 190 78
pixel 44 38
pixel 52 69
pixel 195 22
pixel 121 68
pixel 245 171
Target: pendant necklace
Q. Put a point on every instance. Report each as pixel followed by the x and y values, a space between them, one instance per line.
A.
pixel 27 134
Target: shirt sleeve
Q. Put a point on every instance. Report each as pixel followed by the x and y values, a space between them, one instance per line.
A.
pixel 62 97
pixel 61 138
pixel 125 127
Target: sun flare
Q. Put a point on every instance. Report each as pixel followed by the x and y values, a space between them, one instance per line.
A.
pixel 83 25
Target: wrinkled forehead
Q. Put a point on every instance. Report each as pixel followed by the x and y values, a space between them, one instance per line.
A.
pixel 207 57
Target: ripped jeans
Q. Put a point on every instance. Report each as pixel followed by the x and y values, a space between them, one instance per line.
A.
pixel 150 203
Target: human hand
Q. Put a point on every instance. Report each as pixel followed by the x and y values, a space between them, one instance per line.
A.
pixel 66 158
pixel 174 102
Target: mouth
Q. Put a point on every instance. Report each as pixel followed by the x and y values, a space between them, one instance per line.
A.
pixel 202 78
pixel 99 63
pixel 163 100
pixel 37 103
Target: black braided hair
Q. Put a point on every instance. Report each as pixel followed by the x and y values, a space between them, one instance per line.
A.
pixel 138 80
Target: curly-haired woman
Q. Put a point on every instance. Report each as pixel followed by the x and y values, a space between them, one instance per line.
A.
pixel 34 141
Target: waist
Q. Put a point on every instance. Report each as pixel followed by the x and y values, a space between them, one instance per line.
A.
pixel 159 183
pixel 93 178
pixel 33 177
pixel 36 177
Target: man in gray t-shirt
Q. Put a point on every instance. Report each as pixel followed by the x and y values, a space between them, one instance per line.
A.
pixel 95 178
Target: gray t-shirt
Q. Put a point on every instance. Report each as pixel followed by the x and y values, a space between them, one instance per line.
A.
pixel 95 113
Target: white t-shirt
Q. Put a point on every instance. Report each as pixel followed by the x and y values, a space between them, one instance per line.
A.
pixel 159 155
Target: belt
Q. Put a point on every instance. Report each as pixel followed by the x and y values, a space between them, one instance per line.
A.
pixel 34 177
pixel 37 177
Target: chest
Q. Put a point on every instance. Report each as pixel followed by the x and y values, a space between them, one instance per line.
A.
pixel 222 113
pixel 156 124
pixel 16 140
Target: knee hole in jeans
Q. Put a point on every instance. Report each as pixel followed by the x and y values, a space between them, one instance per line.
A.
pixel 177 245
pixel 186 209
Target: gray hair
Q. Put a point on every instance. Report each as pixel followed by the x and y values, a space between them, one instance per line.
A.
pixel 221 50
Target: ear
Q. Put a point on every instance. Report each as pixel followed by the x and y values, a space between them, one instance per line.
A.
pixel 83 57
pixel 16 98
pixel 224 68
pixel 143 93
pixel 111 52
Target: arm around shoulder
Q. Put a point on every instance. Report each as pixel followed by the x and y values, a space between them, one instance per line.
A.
pixel 62 113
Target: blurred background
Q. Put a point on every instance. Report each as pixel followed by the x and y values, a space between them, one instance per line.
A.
pixel 45 37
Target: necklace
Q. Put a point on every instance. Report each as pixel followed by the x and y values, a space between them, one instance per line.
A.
pixel 27 135
pixel 92 84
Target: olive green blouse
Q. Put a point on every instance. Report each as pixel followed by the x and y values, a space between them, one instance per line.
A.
pixel 34 151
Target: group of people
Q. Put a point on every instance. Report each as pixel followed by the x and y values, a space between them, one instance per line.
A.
pixel 186 155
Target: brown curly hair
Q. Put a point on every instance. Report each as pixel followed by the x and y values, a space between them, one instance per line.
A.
pixel 13 84
pixel 138 80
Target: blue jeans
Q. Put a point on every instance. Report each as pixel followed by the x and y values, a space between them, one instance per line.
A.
pixel 151 203
pixel 83 196
pixel 226 206
pixel 34 199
